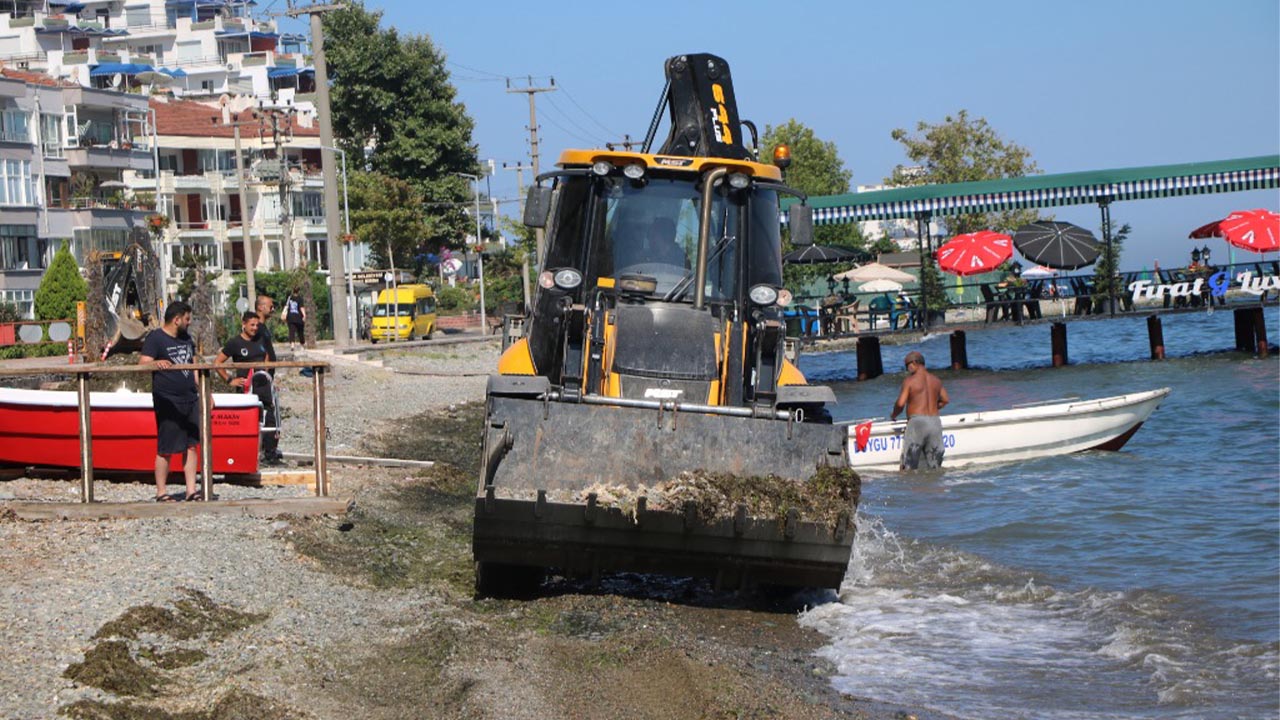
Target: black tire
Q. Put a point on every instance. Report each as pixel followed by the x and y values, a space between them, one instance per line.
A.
pixel 430 331
pixel 499 580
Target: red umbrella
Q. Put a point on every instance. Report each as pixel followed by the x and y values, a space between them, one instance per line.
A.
pixel 974 253
pixel 1256 230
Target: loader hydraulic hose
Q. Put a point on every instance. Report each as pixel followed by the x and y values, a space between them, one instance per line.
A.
pixel 704 236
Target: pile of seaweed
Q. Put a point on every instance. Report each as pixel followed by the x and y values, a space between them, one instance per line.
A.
pixel 826 497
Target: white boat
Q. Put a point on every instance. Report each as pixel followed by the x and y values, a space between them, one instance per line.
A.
pixel 1055 427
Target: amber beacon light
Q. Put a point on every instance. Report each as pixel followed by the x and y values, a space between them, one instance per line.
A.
pixel 782 156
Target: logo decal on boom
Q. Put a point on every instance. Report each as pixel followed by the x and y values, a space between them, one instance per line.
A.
pixel 720 116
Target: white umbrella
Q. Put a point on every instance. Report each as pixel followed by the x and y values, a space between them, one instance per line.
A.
pixel 875 271
pixel 1039 272
pixel 151 77
pixel 880 285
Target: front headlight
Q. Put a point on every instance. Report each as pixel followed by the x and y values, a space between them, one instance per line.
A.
pixel 764 295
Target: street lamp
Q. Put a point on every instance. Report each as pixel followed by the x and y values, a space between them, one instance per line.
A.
pixel 346 216
pixel 831 284
pixel 1195 255
pixel 1204 254
pixel 479 255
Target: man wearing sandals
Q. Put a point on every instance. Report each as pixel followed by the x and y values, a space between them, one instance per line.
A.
pixel 174 398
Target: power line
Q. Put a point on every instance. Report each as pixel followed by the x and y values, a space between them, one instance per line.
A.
pixel 588 135
pixel 584 112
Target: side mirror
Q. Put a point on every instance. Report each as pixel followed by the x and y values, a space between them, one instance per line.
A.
pixel 537 206
pixel 800 223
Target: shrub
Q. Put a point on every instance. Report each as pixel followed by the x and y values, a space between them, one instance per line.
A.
pixel 455 300
pixel 61 288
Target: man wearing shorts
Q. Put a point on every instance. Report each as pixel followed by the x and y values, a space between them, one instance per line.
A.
pixel 922 396
pixel 174 397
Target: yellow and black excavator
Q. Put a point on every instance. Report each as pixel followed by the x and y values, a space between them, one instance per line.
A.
pixel 655 347
pixel 130 296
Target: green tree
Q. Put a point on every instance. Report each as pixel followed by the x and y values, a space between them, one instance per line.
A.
pixel 61 288
pixel 393 104
pixel 961 149
pixel 386 213
pixel 816 168
pixel 1106 271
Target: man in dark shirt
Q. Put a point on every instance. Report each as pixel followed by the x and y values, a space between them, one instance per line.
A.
pixel 249 348
pixel 174 398
pixel 265 307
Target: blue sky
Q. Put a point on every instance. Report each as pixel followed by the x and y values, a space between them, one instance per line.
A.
pixel 1084 84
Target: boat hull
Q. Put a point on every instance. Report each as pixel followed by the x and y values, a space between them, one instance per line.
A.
pixel 1017 434
pixel 42 428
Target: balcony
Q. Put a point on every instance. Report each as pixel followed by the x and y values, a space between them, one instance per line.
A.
pixel 125 156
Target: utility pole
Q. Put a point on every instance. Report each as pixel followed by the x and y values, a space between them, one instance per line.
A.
pixel 337 264
pixel 524 265
pixel 626 143
pixel 532 92
pixel 241 181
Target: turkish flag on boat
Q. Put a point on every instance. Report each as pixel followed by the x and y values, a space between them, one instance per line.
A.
pixel 862 435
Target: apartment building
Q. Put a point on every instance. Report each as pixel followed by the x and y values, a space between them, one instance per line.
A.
pixel 123 114
pixel 198 188
pixel 193 48
pixel 65 153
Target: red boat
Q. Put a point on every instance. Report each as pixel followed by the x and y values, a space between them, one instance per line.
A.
pixel 42 428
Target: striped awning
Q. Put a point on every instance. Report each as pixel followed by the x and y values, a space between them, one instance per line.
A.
pixel 1042 191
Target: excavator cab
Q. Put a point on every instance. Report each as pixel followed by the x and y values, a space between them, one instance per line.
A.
pixel 652 359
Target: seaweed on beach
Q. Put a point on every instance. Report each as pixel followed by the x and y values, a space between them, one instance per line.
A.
pixel 826 497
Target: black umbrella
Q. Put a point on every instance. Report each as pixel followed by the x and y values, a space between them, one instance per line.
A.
pixel 1058 245
pixel 823 254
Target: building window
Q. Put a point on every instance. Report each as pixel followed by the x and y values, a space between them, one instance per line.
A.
pixel 51 134
pixel 57 191
pixel 102 240
pixel 15 126
pixel 18 248
pixel 17 187
pixel 24 300
pixel 308 205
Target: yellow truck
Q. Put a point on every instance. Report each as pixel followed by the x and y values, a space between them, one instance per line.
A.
pixel 406 312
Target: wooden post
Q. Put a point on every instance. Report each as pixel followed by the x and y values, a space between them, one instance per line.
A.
pixel 86 437
pixel 959 353
pixel 1260 331
pixel 1244 330
pixel 206 435
pixel 322 474
pixel 1058 336
pixel 1155 336
pixel 870 363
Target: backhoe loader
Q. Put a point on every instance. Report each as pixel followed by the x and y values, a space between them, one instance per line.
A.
pixel 652 359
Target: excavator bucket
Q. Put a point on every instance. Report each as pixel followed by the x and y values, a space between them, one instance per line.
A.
pixel 551 470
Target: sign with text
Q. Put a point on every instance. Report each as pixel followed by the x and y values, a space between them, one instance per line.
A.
pixel 1218 284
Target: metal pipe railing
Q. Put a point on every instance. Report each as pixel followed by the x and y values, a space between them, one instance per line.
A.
pixel 205 390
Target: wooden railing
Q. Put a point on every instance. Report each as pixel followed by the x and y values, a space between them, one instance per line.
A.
pixel 82 374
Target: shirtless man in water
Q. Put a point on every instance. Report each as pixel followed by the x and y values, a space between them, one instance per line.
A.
pixel 922 396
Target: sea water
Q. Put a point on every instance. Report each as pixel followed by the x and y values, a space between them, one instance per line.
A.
pixel 1136 584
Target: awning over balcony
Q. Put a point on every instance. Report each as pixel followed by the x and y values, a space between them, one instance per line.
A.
pixel 121 68
pixel 284 72
pixel 86 31
pixel 68 7
pixel 254 34
pixel 175 72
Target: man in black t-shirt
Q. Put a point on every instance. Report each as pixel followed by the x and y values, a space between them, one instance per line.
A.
pixel 248 348
pixel 174 398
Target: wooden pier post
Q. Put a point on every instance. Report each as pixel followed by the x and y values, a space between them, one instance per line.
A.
pixel 959 353
pixel 1260 331
pixel 322 464
pixel 205 389
pixel 870 363
pixel 1058 337
pixel 86 438
pixel 1244 329
pixel 1155 336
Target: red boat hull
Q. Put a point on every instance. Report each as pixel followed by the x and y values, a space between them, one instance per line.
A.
pixel 42 428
